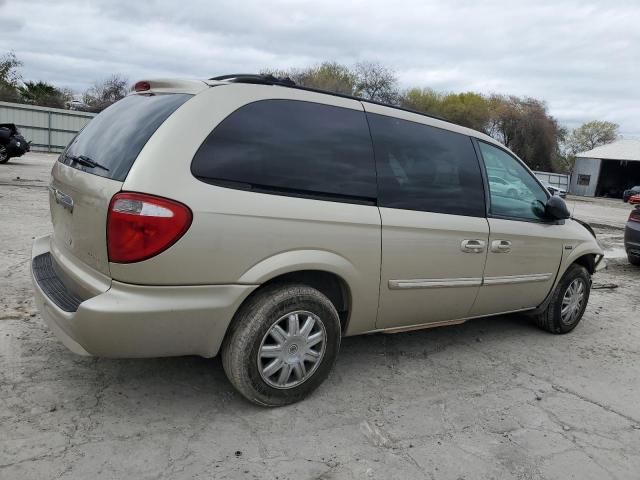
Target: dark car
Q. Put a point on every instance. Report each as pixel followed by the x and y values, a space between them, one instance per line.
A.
pixel 12 143
pixel 632 191
pixel 632 237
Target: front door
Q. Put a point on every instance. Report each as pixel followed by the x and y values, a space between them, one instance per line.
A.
pixel 524 249
pixel 434 230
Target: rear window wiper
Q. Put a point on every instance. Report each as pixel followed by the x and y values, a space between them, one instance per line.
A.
pixel 86 161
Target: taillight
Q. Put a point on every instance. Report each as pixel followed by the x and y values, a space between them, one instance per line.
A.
pixel 635 215
pixel 142 86
pixel 140 226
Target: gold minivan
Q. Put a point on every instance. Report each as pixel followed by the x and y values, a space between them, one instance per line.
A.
pixel 253 217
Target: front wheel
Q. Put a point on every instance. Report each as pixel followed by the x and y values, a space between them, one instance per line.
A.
pixel 634 259
pixel 4 154
pixel 282 344
pixel 568 301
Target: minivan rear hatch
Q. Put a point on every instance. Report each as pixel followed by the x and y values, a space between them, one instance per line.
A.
pixel 93 168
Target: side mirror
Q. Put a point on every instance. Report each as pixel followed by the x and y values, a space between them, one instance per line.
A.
pixel 556 209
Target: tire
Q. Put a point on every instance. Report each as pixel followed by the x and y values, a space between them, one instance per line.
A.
pixel 250 348
pixel 634 259
pixel 4 154
pixel 551 318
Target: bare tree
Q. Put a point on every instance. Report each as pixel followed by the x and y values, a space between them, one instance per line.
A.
pixel 9 77
pixel 105 93
pixel 376 82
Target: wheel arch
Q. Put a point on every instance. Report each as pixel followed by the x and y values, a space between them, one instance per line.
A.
pixel 327 272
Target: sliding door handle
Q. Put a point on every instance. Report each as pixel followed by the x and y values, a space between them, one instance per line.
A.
pixel 473 246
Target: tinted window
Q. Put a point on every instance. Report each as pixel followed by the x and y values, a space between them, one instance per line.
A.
pixel 426 168
pixel 115 137
pixel 286 146
pixel 517 194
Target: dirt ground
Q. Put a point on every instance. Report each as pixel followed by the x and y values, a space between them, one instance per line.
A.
pixel 493 398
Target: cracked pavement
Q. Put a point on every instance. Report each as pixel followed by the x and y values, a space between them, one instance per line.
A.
pixel 491 399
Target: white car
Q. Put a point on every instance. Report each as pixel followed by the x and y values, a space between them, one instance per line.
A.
pixel 505 188
pixel 556 191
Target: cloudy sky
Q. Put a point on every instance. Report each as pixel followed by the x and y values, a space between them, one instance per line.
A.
pixel 582 57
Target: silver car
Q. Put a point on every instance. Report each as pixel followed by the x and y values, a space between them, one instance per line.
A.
pixel 250 217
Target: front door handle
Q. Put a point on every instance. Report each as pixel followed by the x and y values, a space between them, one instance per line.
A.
pixel 473 246
pixel 501 246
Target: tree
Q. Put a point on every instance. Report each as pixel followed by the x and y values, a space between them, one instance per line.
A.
pixel 376 82
pixel 330 76
pixel 9 77
pixel 423 100
pixel 468 109
pixel 105 93
pixel 591 135
pixel 525 126
pixel 43 94
pixel 368 80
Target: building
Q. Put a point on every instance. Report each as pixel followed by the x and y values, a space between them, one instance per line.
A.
pixel 608 170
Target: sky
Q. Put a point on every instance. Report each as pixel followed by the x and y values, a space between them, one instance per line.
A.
pixel 581 57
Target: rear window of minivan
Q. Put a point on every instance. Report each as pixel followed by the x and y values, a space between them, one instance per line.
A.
pixel 291 147
pixel 115 137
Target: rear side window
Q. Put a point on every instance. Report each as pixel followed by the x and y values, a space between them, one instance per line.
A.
pixel 293 148
pixel 115 137
pixel 426 168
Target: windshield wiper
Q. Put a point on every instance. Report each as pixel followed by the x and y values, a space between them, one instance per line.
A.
pixel 86 161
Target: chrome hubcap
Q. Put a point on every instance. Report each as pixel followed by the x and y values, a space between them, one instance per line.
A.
pixel 292 349
pixel 572 302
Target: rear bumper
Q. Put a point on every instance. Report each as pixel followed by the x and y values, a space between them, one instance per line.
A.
pixel 140 321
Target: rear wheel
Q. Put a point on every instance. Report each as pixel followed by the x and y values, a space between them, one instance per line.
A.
pixel 4 154
pixel 282 344
pixel 634 259
pixel 568 301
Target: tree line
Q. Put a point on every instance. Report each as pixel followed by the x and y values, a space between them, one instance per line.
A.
pixel 95 99
pixel 523 124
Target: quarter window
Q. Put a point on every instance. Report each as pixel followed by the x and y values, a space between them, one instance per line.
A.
pixel 514 191
pixel 425 168
pixel 291 147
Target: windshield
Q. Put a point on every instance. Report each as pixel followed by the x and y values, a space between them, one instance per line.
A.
pixel 115 137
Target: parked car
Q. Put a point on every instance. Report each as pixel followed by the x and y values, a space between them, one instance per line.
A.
pixel 284 219
pixel 12 143
pixel 632 237
pixel 553 190
pixel 506 188
pixel 628 193
pixel 634 199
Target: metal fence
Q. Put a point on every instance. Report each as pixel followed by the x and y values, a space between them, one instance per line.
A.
pixel 48 129
pixel 559 180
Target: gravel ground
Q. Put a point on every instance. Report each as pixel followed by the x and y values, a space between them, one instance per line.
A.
pixel 493 398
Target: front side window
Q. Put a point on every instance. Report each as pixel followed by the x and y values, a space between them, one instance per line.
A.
pixel 293 148
pixel 513 190
pixel 426 168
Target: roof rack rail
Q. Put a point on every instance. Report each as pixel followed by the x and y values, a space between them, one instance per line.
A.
pixel 269 79
pixel 255 78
